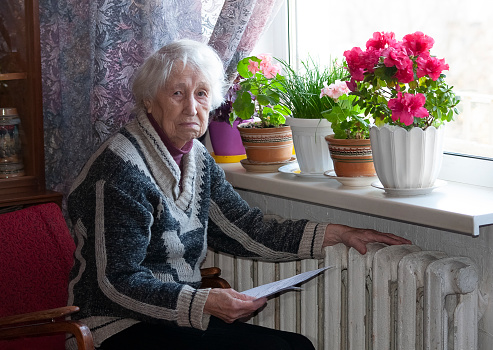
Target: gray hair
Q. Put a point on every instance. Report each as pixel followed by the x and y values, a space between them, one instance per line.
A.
pixel 156 70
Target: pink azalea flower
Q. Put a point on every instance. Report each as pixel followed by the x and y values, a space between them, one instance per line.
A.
pixel 335 90
pixel 396 57
pixel 417 43
pixel 352 85
pixel 370 59
pixel 406 107
pixel 406 74
pixel 380 40
pixel 358 74
pixel 431 66
pixel 253 67
pixel 356 63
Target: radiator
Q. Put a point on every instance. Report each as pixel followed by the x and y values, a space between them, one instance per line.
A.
pixel 393 297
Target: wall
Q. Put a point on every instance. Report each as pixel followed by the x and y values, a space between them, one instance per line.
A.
pixel 479 249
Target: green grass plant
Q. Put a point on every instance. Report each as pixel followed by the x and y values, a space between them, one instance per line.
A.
pixel 302 89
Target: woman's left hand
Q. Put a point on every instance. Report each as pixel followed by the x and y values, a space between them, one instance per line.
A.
pixel 230 305
pixel 359 238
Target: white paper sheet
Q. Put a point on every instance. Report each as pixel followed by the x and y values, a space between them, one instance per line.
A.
pixel 290 283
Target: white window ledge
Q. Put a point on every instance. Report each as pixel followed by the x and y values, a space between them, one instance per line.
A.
pixel 453 207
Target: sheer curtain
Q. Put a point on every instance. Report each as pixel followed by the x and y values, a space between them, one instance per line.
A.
pixel 91 48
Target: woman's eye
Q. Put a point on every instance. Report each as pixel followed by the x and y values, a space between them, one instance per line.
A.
pixel 177 93
pixel 202 93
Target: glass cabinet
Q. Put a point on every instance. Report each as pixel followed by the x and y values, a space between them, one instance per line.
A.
pixel 22 174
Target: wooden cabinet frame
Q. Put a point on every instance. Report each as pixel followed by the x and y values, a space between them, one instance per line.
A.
pixel 30 188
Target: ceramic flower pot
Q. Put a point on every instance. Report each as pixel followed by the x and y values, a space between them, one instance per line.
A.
pixel 351 157
pixel 311 149
pixel 226 140
pixel 407 159
pixel 266 145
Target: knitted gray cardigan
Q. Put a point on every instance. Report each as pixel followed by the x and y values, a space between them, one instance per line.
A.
pixel 141 242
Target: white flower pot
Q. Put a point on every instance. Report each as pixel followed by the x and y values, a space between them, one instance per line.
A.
pixel 310 146
pixel 407 159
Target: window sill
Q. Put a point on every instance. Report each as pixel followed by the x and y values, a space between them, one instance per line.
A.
pixel 453 207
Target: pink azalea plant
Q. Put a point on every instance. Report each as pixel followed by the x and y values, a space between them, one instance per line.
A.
pixel 400 82
pixel 259 92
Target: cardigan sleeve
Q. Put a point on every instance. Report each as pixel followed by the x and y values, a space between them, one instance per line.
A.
pixel 236 228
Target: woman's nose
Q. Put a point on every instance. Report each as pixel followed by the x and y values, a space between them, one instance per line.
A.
pixel 190 105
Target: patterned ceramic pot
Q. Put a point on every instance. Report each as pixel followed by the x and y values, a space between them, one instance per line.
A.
pixel 267 145
pixel 351 157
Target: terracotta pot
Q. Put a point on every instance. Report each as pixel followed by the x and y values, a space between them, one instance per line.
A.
pixel 267 145
pixel 351 157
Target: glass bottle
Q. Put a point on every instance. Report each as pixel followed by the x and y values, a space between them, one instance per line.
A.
pixel 11 164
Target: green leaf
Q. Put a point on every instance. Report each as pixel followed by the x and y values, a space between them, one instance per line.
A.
pixel 243 106
pixel 340 134
pixel 263 100
pixel 282 109
pixel 243 66
pixel 273 96
pixel 273 117
pixel 255 89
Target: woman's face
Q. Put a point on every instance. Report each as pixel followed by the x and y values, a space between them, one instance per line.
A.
pixel 181 107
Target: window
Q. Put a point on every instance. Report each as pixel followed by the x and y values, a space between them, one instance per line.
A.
pixel 324 29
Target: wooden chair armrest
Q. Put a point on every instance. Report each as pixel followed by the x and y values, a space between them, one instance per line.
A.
pixel 37 316
pixel 210 272
pixel 211 279
pixel 81 332
pixel 46 322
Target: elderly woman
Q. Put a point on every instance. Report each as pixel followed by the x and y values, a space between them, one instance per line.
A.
pixel 148 204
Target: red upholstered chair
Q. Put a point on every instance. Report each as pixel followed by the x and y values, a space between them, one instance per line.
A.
pixel 36 255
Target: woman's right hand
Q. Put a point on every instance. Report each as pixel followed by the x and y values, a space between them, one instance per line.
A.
pixel 230 305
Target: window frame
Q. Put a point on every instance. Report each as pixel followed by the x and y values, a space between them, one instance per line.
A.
pixel 461 168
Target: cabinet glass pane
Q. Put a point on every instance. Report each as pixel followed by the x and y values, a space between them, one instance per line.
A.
pixel 14 101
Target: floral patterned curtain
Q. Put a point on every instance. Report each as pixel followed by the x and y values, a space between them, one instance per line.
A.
pixel 91 48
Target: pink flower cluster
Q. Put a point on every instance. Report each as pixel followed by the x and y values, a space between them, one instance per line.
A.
pixel 399 54
pixel 412 60
pixel 266 67
pixel 407 106
pixel 335 90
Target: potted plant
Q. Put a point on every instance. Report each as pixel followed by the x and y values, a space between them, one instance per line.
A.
pixel 267 140
pixel 349 145
pixel 223 133
pixel 301 93
pixel 403 87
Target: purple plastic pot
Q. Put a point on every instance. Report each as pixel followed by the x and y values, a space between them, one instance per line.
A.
pixel 226 140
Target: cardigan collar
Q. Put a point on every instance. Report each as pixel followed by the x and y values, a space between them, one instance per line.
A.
pixel 175 152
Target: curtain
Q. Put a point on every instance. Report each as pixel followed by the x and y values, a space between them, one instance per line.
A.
pixel 238 29
pixel 91 48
